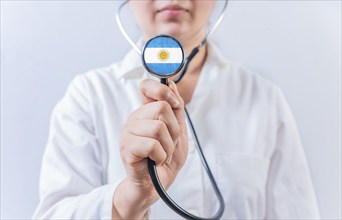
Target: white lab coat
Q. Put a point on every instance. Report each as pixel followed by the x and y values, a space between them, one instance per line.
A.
pixel 244 124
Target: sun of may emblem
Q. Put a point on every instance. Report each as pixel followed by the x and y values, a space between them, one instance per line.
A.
pixel 163 55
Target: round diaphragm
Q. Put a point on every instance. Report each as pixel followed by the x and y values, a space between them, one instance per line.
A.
pixel 163 56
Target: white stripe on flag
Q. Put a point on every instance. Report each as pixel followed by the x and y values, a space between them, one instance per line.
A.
pixel 152 55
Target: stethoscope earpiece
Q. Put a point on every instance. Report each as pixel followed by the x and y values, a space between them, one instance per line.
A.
pixel 163 56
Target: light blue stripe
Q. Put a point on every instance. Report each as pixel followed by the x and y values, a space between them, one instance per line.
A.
pixel 163 42
pixel 163 69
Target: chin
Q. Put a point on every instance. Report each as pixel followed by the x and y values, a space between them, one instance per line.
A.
pixel 175 32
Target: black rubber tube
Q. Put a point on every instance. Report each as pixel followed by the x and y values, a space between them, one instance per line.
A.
pixel 166 198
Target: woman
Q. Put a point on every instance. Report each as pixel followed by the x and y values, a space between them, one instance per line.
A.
pixel 112 119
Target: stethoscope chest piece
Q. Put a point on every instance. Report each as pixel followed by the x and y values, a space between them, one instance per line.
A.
pixel 163 56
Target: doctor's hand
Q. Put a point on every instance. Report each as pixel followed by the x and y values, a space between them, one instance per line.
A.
pixel 157 130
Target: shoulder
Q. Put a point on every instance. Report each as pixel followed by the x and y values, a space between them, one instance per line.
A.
pixel 235 70
pixel 112 78
pixel 91 82
pixel 238 79
pixel 243 88
pixel 250 79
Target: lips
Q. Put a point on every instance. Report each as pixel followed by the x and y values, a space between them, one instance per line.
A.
pixel 172 7
pixel 172 10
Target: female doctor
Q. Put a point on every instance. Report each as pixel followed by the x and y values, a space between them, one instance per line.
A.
pixel 112 119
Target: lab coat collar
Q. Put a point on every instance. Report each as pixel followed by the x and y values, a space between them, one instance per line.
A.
pixel 131 65
pixel 215 56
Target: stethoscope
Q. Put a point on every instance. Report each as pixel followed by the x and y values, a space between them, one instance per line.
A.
pixel 163 56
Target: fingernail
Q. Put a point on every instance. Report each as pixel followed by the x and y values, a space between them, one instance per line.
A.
pixel 174 100
pixel 176 103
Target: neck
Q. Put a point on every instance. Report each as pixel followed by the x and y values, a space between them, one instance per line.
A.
pixel 188 83
pixel 197 62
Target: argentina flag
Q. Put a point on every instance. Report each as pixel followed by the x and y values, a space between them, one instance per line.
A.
pixel 163 56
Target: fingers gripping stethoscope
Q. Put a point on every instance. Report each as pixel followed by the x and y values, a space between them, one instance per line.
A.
pixel 163 56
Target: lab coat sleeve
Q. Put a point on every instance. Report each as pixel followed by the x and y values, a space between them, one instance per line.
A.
pixel 73 167
pixel 290 193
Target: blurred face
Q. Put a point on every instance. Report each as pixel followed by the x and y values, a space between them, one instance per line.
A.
pixel 185 20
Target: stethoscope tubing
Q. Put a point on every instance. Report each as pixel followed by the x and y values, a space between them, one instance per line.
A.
pixel 151 164
pixel 167 199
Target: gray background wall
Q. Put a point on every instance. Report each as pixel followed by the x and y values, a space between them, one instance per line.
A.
pixel 44 44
